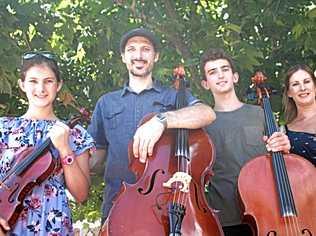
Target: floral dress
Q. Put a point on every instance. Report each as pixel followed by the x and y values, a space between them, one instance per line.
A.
pixel 46 210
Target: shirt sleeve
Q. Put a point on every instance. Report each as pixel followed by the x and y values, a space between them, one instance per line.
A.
pixel 96 128
pixel 81 140
pixel 191 99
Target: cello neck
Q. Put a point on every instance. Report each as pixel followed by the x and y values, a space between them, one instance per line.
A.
pixel 286 200
pixel 182 136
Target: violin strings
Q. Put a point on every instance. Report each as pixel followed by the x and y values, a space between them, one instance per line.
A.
pixel 21 166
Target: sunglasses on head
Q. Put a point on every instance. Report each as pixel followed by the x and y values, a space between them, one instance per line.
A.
pixel 46 54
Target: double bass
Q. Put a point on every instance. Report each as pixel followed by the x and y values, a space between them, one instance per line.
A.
pixel 277 190
pixel 168 196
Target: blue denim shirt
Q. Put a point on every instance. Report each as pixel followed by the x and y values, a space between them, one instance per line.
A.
pixel 114 122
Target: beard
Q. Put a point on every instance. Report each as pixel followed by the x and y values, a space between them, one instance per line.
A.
pixel 140 72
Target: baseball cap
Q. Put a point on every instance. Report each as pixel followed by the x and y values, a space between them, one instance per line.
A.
pixel 139 32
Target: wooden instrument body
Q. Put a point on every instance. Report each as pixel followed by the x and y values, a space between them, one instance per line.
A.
pixel 142 208
pixel 260 200
pixel 16 187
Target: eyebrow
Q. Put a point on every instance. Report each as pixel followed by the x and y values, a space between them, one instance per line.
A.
pixel 222 67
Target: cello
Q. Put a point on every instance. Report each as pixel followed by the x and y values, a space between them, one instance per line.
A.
pixel 33 166
pixel 277 191
pixel 168 196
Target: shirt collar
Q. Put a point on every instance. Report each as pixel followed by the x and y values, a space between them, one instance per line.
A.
pixel 157 86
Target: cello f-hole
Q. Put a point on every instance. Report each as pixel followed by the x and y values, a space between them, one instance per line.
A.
pixel 272 233
pixel 152 182
pixel 307 231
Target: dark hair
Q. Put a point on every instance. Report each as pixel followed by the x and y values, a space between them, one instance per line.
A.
pixel 213 54
pixel 289 106
pixel 39 60
pixel 139 32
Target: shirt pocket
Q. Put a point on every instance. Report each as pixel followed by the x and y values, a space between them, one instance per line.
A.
pixel 253 135
pixel 115 116
pixel 163 106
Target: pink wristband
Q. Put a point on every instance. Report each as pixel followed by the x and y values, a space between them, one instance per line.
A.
pixel 68 159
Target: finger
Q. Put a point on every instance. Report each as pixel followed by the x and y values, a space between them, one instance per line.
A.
pixel 144 150
pixel 136 146
pixel 151 145
pixel 4 224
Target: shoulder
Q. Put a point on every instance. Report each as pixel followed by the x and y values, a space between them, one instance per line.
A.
pixel 113 95
pixel 253 108
pixel 8 122
pixel 109 99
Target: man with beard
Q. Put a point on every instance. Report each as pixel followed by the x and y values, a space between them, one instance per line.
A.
pixel 117 114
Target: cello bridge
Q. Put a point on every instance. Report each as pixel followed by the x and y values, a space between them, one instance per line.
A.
pixel 183 178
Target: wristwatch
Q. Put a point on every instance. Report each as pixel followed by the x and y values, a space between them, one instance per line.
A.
pixel 162 118
pixel 68 159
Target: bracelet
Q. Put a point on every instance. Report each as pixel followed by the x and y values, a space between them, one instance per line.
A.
pixel 68 159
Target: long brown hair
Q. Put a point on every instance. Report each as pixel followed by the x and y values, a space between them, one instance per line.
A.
pixel 289 106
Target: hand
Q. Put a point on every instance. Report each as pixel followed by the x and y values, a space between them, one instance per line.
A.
pixel 4 226
pixel 59 135
pixel 278 141
pixel 146 137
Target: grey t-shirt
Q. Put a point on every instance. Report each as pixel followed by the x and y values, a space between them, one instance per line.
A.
pixel 237 136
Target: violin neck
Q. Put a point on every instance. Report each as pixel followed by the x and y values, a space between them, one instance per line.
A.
pixel 26 162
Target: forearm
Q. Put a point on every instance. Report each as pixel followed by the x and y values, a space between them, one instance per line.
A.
pixel 192 117
pixel 77 177
pixel 97 162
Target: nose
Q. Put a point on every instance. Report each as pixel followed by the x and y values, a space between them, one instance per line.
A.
pixel 302 86
pixel 220 74
pixel 41 87
pixel 138 54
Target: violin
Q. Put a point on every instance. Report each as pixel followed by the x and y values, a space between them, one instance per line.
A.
pixel 277 190
pixel 33 166
pixel 168 196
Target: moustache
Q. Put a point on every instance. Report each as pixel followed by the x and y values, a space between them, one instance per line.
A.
pixel 139 60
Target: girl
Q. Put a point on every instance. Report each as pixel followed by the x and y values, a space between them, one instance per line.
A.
pixel 46 210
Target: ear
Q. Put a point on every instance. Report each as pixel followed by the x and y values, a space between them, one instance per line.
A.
pixel 60 85
pixel 204 84
pixel 288 93
pixel 236 77
pixel 21 85
pixel 156 57
pixel 123 57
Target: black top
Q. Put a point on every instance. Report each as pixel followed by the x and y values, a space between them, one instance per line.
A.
pixel 303 144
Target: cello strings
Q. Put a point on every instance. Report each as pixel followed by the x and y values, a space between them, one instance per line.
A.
pixel 291 221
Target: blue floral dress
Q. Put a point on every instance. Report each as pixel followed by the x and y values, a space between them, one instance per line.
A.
pixel 46 210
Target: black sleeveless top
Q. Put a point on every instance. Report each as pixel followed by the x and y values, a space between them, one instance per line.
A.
pixel 303 144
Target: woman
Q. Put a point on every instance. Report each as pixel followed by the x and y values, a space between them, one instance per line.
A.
pixel 300 111
pixel 46 210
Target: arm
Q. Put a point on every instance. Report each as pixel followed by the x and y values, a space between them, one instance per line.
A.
pixel 192 117
pixel 97 161
pixel 77 175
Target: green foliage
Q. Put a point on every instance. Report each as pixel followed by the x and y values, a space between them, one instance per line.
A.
pixel 90 210
pixel 266 35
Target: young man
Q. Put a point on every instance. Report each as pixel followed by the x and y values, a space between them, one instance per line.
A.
pixel 117 114
pixel 237 135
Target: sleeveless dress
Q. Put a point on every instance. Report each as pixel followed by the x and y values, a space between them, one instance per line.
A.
pixel 46 210
pixel 303 144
